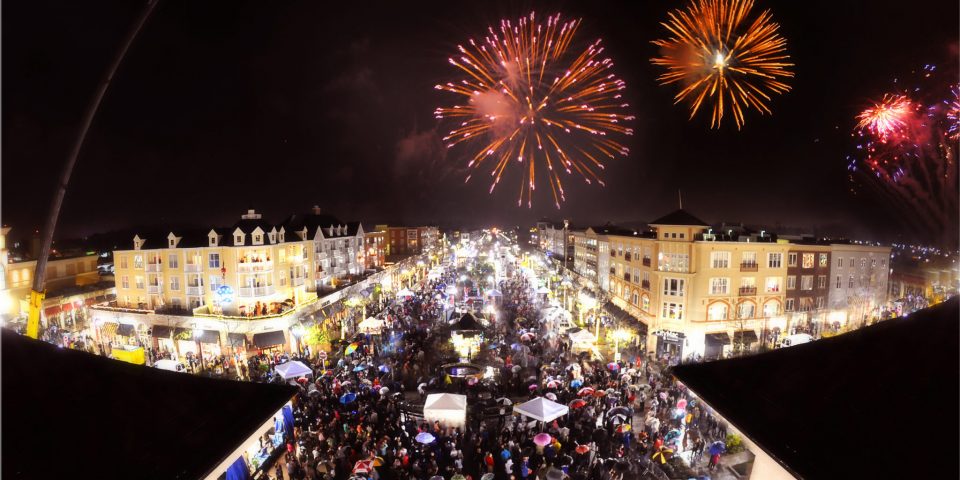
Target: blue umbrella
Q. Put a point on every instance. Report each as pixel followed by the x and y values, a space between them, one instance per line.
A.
pixel 359 368
pixel 516 346
pixel 348 398
pixel 425 437
pixel 384 368
pixel 717 448
pixel 576 383
pixel 671 435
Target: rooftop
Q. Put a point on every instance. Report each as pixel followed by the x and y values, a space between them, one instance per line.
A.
pixel 147 423
pixel 680 217
pixel 838 407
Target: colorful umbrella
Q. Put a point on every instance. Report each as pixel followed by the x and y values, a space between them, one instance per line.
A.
pixel 377 461
pixel 581 449
pixel 577 404
pixel 384 368
pixel 532 387
pixel 363 466
pixel 586 391
pixel 359 368
pixel 553 384
pixel 348 398
pixel 623 428
pixel 613 366
pixel 682 403
pixel 717 448
pixel 425 437
pixel 599 393
pixel 351 348
pixel 542 439
pixel 504 401
pixel 576 383
pixel 672 434
pixel 663 454
pixel 551 396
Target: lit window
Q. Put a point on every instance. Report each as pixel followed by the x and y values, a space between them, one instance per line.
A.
pixel 807 260
pixel 791 259
pixel 720 259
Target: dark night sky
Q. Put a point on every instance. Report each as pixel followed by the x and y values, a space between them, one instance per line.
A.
pixel 283 105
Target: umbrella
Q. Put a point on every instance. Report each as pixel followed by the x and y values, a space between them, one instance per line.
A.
pixel 384 368
pixel 542 439
pixel 672 434
pixel 516 346
pixel 328 373
pixel 532 378
pixel 551 396
pixel 632 371
pixel 619 410
pixel 576 383
pixel 363 466
pixel 613 366
pixel 577 404
pixel 458 477
pixel 359 368
pixel 623 428
pixel 553 384
pixel 618 418
pixel 532 387
pixel 526 337
pixel 488 476
pixel 366 381
pixel 516 369
pixel 585 391
pixel 581 449
pixel 351 348
pixel 662 455
pixel 472 381
pixel 682 403
pixel 348 398
pixel 377 461
pixel 717 448
pixel 610 391
pixel 599 393
pixel 384 390
pixel 302 380
pixel 424 437
pixel 504 401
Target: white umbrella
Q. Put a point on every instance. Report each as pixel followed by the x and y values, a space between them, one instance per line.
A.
pixel 165 364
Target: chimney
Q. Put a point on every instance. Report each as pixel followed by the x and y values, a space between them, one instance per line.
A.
pixel 316 210
pixel 250 215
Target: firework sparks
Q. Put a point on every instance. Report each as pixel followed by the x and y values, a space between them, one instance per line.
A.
pixel 531 101
pixel 721 57
pixel 953 113
pixel 888 117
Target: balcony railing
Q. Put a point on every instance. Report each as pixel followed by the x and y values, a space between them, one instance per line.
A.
pixel 298 281
pixel 645 284
pixel 153 289
pixel 748 291
pixel 192 267
pixel 626 276
pixel 748 266
pixel 195 290
pixel 249 292
pixel 646 261
pixel 255 266
pixel 153 267
pixel 627 256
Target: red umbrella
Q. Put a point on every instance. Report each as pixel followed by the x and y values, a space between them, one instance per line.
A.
pixel 577 404
pixel 585 391
pixel 363 466
pixel 599 393
pixel 582 449
pixel 302 380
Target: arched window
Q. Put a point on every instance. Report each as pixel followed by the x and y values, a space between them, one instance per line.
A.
pixel 771 308
pixel 645 303
pixel 746 310
pixel 717 311
pixel 635 298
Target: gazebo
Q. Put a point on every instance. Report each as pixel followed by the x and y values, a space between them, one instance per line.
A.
pixel 371 325
pixel 448 409
pixel 541 409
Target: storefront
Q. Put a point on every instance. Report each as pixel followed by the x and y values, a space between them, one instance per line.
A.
pixel 165 339
pixel 237 343
pixel 260 449
pixel 669 344
pixel 714 344
pixel 744 339
pixel 270 342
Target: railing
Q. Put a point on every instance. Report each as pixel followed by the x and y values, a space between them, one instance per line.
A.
pixel 645 284
pixel 153 267
pixel 747 291
pixel 195 290
pixel 646 261
pixel 192 267
pixel 256 291
pixel 627 256
pixel 626 277
pixel 748 266
pixel 255 266
pixel 298 281
pixel 153 289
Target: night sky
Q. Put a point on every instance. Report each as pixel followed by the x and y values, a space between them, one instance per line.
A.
pixel 221 106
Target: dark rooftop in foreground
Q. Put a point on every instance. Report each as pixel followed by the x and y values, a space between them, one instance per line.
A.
pixel 879 402
pixel 70 414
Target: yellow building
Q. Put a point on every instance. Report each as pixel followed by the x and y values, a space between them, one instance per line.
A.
pixel 698 291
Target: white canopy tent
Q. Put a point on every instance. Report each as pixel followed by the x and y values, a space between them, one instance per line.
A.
pixel 404 292
pixel 166 364
pixel 582 337
pixel 494 293
pixel 293 369
pixel 541 409
pixel 371 325
pixel 449 409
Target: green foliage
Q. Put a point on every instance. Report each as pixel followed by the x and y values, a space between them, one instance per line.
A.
pixel 183 335
pixel 316 335
pixel 734 443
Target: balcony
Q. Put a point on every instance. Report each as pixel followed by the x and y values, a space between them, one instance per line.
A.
pixel 252 267
pixel 153 267
pixel 298 281
pixel 646 261
pixel 645 284
pixel 192 267
pixel 250 292
pixel 748 266
pixel 748 291
pixel 626 277
pixel 195 290
pixel 153 289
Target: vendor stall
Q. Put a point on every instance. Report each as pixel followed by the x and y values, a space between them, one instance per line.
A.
pixel 372 326
pixel 293 369
pixel 541 409
pixel 448 409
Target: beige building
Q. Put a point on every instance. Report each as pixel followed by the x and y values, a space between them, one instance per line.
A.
pixel 698 291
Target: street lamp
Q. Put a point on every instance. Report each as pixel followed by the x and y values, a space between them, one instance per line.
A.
pixel 298 332
pixel 618 335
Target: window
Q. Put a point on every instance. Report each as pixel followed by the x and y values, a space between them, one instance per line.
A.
pixel 681 235
pixel 883 262
pixel 839 281
pixel 790 305
pixel 807 260
pixel 214 260
pixel 720 259
pixel 791 259
pixel 806 282
pixel 672 310
pixel 674 262
pixel 635 298
pixel 717 311
pixel 138 261
pixel 215 282
pixel 791 282
pixel 774 260
pixel 773 285
pixel 749 258
pixel 806 304
pixel 821 281
pixel 673 286
pixel 174 283
pixel 839 262
pixel 820 302
pixel 823 260
pixel 173 263
pixel 636 276
pixel 853 263
pixel 139 282
pixel 258 239
pixel 125 281
pixel 873 263
pixel 646 278
pixel 123 261
pixel 850 283
pixel 863 263
pixel 645 303
pixel 238 239
pixel 770 309
pixel 746 310
pixel 719 286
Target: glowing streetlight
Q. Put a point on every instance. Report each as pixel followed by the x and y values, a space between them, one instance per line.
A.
pixel 619 335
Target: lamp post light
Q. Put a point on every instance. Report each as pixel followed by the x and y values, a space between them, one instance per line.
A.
pixel 298 332
pixel 618 335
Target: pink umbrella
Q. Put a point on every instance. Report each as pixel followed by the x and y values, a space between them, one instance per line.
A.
pixel 553 384
pixel 532 387
pixel 542 439
pixel 585 391
pixel 682 403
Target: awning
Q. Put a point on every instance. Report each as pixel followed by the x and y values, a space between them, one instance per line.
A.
pixel 90 301
pixel 745 336
pixel 237 340
pixel 209 336
pixel 126 330
pixel 721 337
pixel 51 311
pixel 160 331
pixel 67 306
pixel 269 339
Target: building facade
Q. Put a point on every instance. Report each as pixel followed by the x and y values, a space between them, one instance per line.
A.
pixel 557 240
pixel 807 287
pixel 859 276
pixel 409 240
pixel 375 249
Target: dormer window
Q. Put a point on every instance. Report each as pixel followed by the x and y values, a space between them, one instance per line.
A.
pixel 257 239
pixel 172 243
pixel 238 239
pixel 273 238
pixel 281 236
pixel 213 241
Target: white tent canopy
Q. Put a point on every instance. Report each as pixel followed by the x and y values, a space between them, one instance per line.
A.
pixel 582 337
pixel 167 365
pixel 541 409
pixel 449 409
pixel 371 325
pixel 543 290
pixel 494 293
pixel 404 292
pixel 293 369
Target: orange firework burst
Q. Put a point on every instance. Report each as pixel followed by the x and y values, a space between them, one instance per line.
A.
pixel 887 117
pixel 528 98
pixel 718 55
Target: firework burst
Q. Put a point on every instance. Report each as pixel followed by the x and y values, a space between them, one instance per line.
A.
pixel 720 56
pixel 953 113
pixel 530 100
pixel 888 117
